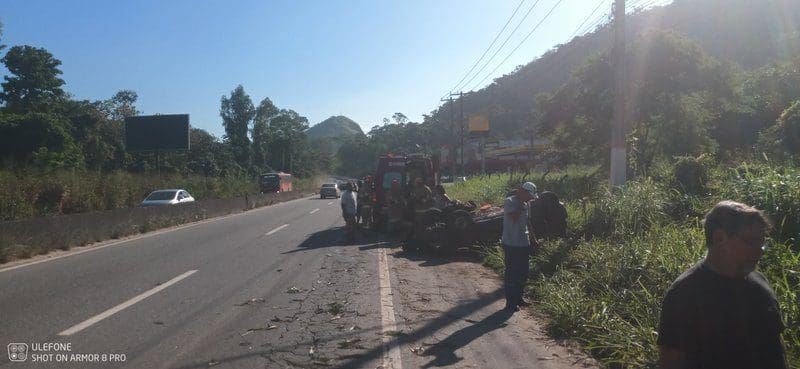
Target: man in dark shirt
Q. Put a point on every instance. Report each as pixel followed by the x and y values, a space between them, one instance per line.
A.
pixel 722 313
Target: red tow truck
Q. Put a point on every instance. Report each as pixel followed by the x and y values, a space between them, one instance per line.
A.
pixel 404 169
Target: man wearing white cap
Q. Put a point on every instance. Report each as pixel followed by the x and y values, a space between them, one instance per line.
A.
pixel 517 244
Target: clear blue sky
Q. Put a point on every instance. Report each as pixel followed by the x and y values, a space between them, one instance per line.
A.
pixel 363 59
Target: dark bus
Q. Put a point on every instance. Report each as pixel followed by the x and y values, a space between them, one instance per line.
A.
pixel 275 182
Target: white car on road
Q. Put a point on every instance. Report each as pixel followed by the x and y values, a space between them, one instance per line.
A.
pixel 167 197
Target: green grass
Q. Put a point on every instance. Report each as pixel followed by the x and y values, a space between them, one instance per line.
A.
pixel 570 183
pixel 774 189
pixel 603 286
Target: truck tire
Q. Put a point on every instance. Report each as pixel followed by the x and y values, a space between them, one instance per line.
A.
pixel 460 229
pixel 460 221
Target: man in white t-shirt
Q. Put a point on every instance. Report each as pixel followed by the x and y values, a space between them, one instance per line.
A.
pixel 349 207
pixel 517 244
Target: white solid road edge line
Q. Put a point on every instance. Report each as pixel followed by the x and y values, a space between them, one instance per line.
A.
pixel 391 349
pixel 314 211
pixel 275 230
pixel 89 322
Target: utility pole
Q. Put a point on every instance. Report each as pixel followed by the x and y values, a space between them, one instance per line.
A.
pixel 461 135
pixel 461 127
pixel 618 154
pixel 451 150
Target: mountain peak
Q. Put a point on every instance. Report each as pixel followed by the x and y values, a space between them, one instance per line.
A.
pixel 335 126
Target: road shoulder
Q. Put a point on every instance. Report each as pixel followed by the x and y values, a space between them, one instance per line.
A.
pixel 451 313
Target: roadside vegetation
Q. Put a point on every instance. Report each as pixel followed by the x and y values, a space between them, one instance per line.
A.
pixel 32 194
pixel 61 155
pixel 603 285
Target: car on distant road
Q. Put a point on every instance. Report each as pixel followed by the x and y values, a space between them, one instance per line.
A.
pixel 460 179
pixel 167 197
pixel 329 190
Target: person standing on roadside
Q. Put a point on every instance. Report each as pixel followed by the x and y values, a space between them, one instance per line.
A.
pixel 440 198
pixel 364 200
pixel 722 313
pixel 518 243
pixel 348 203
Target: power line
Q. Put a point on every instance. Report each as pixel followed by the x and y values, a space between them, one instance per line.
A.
pixel 501 46
pixel 520 44
pixel 490 46
pixel 633 4
pixel 597 22
pixel 600 4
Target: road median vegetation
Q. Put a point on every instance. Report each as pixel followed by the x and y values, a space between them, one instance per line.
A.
pixel 60 210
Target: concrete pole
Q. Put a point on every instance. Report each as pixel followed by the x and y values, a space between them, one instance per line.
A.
pixel 618 154
pixel 461 135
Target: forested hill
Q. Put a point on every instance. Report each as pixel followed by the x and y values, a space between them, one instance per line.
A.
pixel 338 126
pixel 749 33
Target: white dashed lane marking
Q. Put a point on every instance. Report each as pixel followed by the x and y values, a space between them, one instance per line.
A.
pixel 314 211
pixel 91 321
pixel 275 230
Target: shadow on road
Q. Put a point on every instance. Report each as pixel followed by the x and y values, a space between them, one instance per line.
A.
pixel 365 240
pixel 444 352
pixel 440 258
pixel 449 317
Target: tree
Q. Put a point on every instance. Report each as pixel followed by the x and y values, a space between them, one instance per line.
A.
pixel 237 113
pixel 399 118
pixel 123 104
pixel 99 138
pixel 577 118
pixel 403 138
pixel 676 93
pixel 782 141
pixel 357 155
pixel 38 139
pixel 286 131
pixel 34 84
pixel 789 124
pixel 265 112
pixel 200 158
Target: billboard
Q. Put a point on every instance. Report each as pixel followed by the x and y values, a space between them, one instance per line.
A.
pixel 157 132
pixel 478 123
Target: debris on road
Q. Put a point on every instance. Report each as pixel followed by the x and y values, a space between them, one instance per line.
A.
pixel 252 301
pixel 293 290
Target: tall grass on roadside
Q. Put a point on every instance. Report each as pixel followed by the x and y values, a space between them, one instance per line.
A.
pixel 30 194
pixel 781 265
pixel 605 287
pixel 776 190
pixel 608 295
pixel 624 213
pixel 571 183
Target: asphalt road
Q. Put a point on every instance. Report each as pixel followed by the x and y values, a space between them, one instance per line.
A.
pixel 274 287
pixel 239 293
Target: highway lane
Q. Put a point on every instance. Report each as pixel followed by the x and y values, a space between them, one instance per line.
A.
pixel 274 287
pixel 243 267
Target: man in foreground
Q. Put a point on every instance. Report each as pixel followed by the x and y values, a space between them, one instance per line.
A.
pixel 722 313
pixel 517 244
